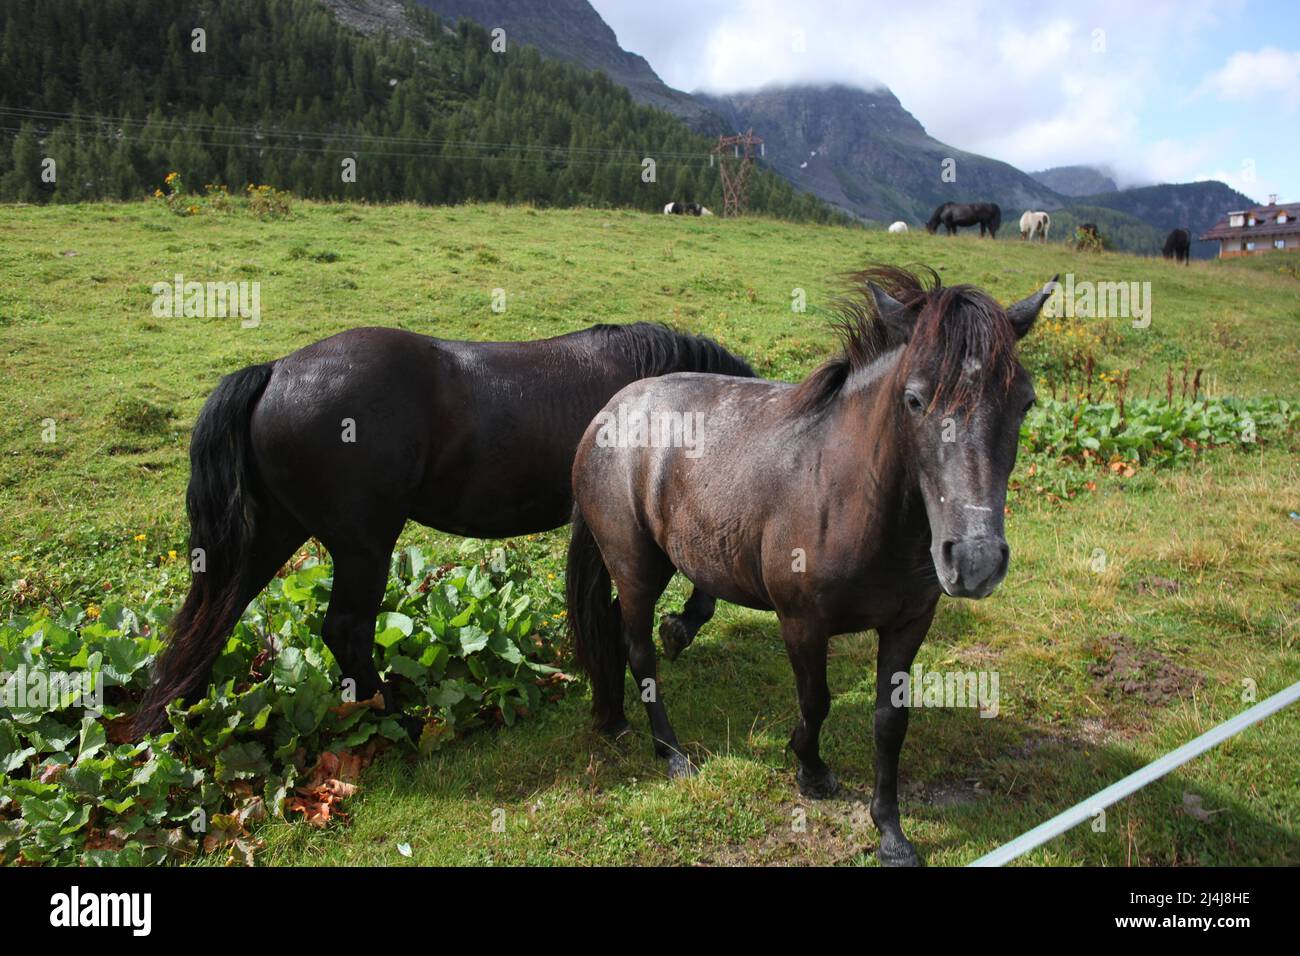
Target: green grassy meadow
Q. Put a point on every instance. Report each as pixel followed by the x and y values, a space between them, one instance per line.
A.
pixel 1201 578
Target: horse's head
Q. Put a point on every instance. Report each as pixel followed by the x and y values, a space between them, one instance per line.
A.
pixel 959 395
pixel 933 222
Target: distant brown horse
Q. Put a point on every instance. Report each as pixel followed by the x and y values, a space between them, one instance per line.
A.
pixel 849 501
pixel 349 437
pixel 1178 246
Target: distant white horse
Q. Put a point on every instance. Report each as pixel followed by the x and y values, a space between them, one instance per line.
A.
pixel 899 226
pixel 1034 225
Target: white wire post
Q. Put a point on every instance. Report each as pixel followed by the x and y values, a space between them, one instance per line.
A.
pixel 1136 781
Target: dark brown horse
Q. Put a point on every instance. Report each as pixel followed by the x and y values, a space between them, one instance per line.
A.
pixel 950 215
pixel 1178 246
pixel 346 439
pixel 847 502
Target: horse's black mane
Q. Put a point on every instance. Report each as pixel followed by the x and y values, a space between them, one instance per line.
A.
pixel 933 222
pixel 955 325
pixel 658 350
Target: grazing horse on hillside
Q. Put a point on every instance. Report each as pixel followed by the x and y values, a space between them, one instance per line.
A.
pixel 988 215
pixel 842 503
pixel 1178 246
pixel 1034 225
pixel 898 227
pixel 349 437
pixel 686 209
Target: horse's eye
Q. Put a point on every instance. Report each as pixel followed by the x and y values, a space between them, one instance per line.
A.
pixel 913 401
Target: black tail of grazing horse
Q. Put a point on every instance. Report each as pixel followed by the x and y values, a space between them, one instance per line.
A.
pixel 595 625
pixel 223 511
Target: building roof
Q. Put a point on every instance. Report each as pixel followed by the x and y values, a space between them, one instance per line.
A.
pixel 1266 224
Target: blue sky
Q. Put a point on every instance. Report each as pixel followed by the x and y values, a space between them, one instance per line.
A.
pixel 1157 90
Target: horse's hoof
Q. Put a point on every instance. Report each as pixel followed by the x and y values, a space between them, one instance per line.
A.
pixel 413 726
pixel 820 786
pixel 615 730
pixel 674 636
pixel 896 851
pixel 680 767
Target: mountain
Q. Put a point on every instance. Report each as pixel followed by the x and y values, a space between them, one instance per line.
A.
pixel 862 151
pixel 1192 206
pixel 1077 180
pixel 428 113
pixel 859 150
pixel 572 30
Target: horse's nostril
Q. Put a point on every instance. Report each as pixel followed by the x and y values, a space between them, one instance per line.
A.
pixel 946 551
pixel 1006 558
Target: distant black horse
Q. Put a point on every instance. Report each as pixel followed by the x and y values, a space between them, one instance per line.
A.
pixel 988 215
pixel 841 503
pixel 349 437
pixel 1178 246
pixel 686 209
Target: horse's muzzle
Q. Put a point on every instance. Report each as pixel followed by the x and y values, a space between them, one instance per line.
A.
pixel 972 567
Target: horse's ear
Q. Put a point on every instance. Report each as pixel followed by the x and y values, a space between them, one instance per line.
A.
pixel 1023 313
pixel 897 318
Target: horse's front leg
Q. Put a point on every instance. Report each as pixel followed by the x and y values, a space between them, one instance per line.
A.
pixel 898 647
pixel 677 631
pixel 806 644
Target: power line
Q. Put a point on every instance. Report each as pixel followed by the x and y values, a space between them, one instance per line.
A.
pixel 534 160
pixel 259 131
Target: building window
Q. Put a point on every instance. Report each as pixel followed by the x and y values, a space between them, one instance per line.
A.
pixel 1279 243
pixel 1236 219
pixel 1281 219
pixel 1250 221
pixel 1250 247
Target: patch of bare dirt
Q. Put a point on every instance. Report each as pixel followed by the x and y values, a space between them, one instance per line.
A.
pixel 831 832
pixel 816 833
pixel 1124 669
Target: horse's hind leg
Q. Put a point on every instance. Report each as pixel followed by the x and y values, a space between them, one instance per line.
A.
pixel 360 576
pixel 677 631
pixel 806 646
pixel 898 647
pixel 639 585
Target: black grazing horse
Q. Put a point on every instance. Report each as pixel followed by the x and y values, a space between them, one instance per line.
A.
pixel 987 215
pixel 685 209
pixel 1178 246
pixel 349 437
pixel 849 501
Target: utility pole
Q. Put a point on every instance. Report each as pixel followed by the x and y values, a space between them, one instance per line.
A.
pixel 735 159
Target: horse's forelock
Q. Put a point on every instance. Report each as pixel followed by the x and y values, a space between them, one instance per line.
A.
pixel 963 339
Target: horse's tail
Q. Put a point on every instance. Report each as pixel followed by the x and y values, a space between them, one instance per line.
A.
pixel 222 510
pixel 995 221
pixel 659 350
pixel 595 624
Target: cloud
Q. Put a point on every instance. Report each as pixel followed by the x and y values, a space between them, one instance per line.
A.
pixel 1252 76
pixel 1030 83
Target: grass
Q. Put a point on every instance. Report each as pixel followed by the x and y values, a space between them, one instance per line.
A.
pixel 98 510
